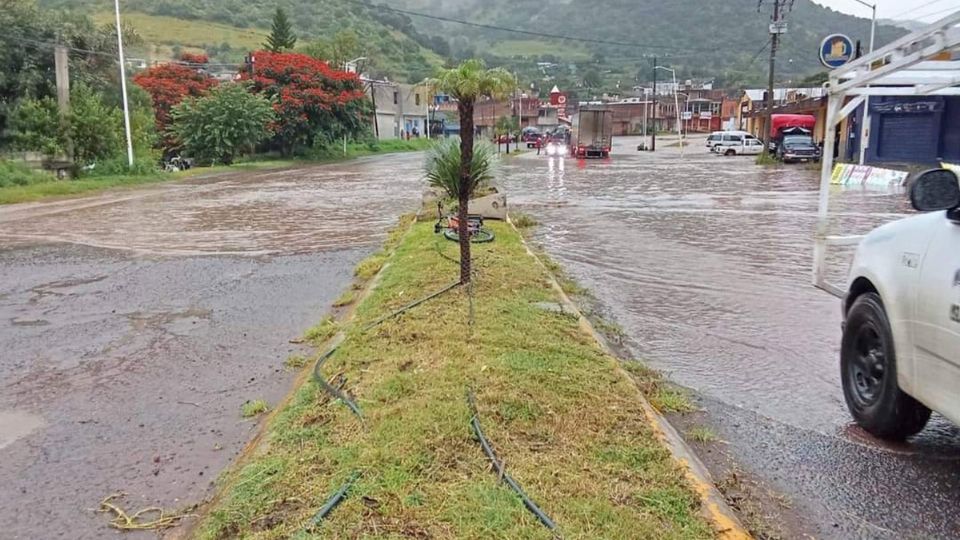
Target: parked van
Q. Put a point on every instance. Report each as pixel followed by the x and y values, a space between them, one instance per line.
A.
pixel 728 138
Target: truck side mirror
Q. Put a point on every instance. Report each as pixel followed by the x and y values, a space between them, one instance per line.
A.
pixel 936 189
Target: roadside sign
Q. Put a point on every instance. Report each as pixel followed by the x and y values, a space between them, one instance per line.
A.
pixel 686 115
pixel 836 50
pixel 706 115
pixel 778 27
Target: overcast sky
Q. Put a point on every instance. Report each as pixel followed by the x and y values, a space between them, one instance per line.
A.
pixel 923 10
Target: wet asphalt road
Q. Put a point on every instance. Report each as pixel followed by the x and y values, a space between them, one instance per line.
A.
pixel 705 261
pixel 134 324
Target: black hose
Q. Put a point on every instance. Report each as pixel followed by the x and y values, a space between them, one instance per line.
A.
pixel 322 381
pixel 498 466
pixel 335 499
pixel 410 306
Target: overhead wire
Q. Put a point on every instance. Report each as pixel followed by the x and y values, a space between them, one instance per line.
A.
pixel 525 32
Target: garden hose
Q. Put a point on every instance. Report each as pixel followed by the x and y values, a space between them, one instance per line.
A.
pixel 334 499
pixel 499 469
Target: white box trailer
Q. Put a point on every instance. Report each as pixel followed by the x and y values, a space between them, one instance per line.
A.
pixel 591 135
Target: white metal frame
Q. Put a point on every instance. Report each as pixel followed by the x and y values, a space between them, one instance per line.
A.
pixel 898 69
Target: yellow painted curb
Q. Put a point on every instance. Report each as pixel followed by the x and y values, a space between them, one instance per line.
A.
pixel 713 506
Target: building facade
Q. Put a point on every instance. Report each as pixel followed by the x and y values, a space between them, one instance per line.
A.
pixel 400 109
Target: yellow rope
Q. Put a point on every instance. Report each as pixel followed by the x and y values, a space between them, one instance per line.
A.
pixel 126 522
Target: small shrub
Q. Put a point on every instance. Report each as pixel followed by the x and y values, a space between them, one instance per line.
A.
pixel 295 361
pixel 253 408
pixel 523 221
pixel 17 174
pixel 346 298
pixel 322 330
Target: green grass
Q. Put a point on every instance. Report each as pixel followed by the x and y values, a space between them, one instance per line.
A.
pixel 295 361
pixel 532 47
pixel 560 413
pixel 346 298
pixel 701 434
pixel 158 29
pixel 254 408
pixel 766 159
pixel 322 331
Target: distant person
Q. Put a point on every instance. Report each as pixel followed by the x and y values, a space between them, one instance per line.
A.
pixel 538 143
pixel 416 132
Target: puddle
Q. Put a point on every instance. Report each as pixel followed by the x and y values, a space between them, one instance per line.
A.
pixel 15 425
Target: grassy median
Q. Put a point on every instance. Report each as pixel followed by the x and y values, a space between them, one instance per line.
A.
pixel 558 411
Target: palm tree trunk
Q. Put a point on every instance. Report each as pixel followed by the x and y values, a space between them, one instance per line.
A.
pixel 465 108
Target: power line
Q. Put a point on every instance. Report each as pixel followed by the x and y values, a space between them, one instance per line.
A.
pixel 915 9
pixel 524 32
pixel 757 54
pixel 951 8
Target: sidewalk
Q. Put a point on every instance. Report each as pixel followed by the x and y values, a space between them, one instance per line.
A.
pixel 561 416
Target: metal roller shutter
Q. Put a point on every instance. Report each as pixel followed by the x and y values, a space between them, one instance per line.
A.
pixel 907 137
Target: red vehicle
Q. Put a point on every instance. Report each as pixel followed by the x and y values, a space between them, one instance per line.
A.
pixel 781 124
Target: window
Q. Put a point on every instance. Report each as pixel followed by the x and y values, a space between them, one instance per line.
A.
pixel 734 138
pixel 396 97
pixel 417 99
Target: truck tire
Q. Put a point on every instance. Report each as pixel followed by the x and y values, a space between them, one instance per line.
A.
pixel 730 152
pixel 868 370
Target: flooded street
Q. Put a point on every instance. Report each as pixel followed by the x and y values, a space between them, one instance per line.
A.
pixel 135 323
pixel 706 261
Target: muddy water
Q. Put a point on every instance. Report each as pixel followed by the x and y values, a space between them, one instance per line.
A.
pixel 134 324
pixel 705 261
pixel 710 259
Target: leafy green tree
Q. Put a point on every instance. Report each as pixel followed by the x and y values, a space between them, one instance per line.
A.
pixel 96 130
pixel 466 83
pixel 226 123
pixel 281 33
pixel 36 127
pixel 342 48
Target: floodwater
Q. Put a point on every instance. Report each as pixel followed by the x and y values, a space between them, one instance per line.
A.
pixel 135 323
pixel 706 263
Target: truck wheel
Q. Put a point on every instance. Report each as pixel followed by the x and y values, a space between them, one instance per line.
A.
pixel 730 152
pixel 868 366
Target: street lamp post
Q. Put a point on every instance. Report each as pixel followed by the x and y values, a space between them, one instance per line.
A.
pixel 865 123
pixel 676 102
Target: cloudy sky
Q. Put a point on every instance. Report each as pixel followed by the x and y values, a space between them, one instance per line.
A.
pixel 923 10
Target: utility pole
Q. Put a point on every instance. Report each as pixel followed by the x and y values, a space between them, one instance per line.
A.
pixel 775 30
pixel 123 85
pixel 653 135
pixel 62 71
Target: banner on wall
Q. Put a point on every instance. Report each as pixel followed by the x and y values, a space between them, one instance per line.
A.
pixel 845 174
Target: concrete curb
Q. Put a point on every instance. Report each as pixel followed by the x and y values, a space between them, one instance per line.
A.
pixel 257 442
pixel 714 507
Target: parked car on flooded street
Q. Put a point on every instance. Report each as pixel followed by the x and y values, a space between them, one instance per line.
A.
pixel 747 147
pixel 900 351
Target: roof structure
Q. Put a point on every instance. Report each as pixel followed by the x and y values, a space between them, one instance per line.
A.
pixel 922 63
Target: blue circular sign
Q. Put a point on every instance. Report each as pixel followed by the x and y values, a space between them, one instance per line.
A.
pixel 836 50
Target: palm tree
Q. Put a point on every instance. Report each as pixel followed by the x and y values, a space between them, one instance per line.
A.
pixel 466 83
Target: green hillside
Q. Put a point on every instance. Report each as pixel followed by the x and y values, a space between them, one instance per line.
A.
pixel 227 29
pixel 702 39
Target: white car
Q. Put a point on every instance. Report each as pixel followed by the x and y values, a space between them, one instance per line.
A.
pixel 900 353
pixel 746 147
pixel 727 138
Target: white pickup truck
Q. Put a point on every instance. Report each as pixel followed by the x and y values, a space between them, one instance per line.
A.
pixel 900 354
